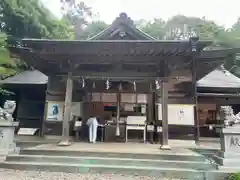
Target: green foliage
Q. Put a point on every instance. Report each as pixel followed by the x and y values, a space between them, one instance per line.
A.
pixel 205 29
pixel 8 65
pixel 94 28
pixel 235 176
pixel 154 28
pixel 26 19
pixel 30 19
pixel 78 14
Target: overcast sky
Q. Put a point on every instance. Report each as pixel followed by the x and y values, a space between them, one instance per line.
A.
pixel 223 12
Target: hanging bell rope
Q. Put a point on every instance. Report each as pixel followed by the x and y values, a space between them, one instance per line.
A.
pixel 94 85
pixel 134 86
pixel 120 86
pixel 83 83
pixel 157 84
pixel 107 84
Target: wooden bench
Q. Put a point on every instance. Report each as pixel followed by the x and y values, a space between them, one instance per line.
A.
pixel 136 123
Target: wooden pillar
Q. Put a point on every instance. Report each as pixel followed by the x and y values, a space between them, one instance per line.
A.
pixel 150 105
pixel 195 52
pixel 45 109
pixel 196 117
pixel 118 110
pixel 150 120
pixel 164 98
pixel 65 140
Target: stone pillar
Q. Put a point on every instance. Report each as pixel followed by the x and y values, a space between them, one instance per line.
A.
pixel 7 128
pixel 65 140
pixel 229 156
pixel 164 90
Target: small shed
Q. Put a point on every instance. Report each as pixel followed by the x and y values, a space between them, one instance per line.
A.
pixel 219 87
pixel 219 80
pixel 29 93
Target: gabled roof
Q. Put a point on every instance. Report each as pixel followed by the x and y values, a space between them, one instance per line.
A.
pixel 122 26
pixel 27 77
pixel 219 78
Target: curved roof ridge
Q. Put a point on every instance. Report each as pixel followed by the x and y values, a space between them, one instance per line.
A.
pixel 127 21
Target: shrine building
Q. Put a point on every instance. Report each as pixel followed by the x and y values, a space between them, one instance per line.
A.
pixel 118 75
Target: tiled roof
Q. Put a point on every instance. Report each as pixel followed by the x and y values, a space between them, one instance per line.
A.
pixel 219 78
pixel 27 77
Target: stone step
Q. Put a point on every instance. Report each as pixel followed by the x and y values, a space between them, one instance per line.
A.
pixel 232 155
pixel 229 169
pixel 112 161
pixel 160 156
pixel 205 151
pixel 152 171
pixel 27 144
pixel 2 158
pixel 229 162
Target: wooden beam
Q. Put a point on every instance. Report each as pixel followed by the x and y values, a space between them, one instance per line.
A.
pixel 218 100
pixel 125 75
pixel 65 141
pixel 219 95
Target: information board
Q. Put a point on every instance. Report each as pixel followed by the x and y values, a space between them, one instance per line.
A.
pixel 178 114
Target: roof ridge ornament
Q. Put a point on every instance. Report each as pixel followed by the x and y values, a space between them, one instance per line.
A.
pixel 123 18
pixel 194 43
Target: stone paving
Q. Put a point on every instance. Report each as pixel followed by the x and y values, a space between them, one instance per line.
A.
pixel 6 174
pixel 134 148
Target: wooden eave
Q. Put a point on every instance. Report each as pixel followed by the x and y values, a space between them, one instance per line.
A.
pixel 223 95
pixel 110 47
pixel 218 90
pixel 105 51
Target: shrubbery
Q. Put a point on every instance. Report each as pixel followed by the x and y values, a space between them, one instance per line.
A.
pixel 235 176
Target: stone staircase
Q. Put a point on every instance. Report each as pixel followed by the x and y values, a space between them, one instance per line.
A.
pixel 168 165
pixel 226 162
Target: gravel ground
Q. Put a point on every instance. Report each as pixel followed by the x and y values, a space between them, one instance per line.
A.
pixel 6 174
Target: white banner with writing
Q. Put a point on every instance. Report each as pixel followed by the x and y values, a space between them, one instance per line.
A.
pixel 178 114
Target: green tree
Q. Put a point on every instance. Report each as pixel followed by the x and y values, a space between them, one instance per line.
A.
pixel 8 65
pixel 30 19
pixel 232 36
pixel 94 28
pixel 26 19
pixel 153 28
pixel 180 26
pixel 78 14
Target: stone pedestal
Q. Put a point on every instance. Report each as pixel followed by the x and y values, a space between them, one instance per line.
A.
pixel 7 142
pixel 229 156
